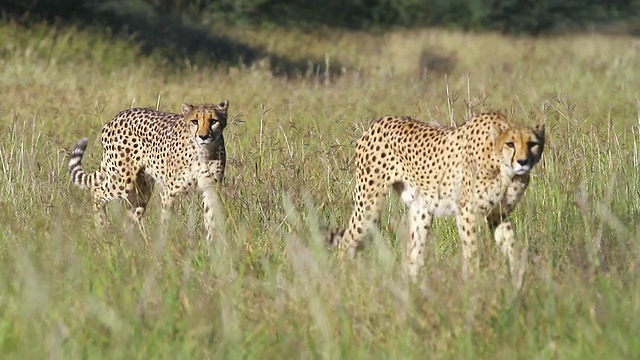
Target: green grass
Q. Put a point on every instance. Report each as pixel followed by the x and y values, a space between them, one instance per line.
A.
pixel 268 288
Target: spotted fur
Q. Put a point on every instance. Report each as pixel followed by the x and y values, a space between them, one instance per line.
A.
pixel 474 171
pixel 144 146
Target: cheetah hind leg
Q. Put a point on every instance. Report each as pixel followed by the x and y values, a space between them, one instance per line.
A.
pixel 119 187
pixel 333 237
pixel 466 221
pixel 99 208
pixel 419 220
pixel 419 226
pixel 364 218
pixel 109 188
pixel 138 198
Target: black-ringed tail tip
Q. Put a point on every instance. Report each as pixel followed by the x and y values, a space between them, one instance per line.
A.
pixel 80 147
pixel 76 172
pixel 76 155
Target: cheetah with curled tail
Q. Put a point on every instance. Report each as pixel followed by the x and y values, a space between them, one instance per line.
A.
pixel 474 171
pixel 178 151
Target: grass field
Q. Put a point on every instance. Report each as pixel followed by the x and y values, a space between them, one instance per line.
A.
pixel 268 288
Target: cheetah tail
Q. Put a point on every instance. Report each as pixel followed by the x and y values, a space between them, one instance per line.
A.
pixel 76 171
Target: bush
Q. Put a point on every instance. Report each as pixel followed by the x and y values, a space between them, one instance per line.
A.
pixel 508 16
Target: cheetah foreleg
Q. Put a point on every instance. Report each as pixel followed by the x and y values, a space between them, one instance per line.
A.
pixel 211 203
pixel 505 239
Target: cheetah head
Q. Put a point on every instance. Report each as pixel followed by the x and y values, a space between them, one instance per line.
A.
pixel 206 121
pixel 521 148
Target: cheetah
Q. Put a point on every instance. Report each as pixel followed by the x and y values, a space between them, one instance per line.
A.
pixel 475 171
pixel 143 146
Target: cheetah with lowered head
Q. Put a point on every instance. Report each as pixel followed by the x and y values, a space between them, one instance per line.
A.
pixel 474 171
pixel 178 151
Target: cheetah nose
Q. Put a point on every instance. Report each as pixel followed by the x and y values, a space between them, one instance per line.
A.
pixel 522 162
pixel 204 137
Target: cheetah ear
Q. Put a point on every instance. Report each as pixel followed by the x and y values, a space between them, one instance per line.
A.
pixel 539 130
pixel 223 106
pixel 186 108
pixel 494 133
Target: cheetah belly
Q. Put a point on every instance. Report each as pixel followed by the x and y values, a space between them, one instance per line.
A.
pixel 435 206
pixel 155 176
pixel 443 208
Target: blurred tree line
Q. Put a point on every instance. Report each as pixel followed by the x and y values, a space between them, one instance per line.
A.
pixel 509 16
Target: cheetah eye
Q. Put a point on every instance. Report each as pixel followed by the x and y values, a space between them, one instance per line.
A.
pixel 531 144
pixel 510 144
pixel 194 122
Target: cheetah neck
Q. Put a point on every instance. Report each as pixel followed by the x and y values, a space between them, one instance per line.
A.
pixel 212 151
pixel 509 178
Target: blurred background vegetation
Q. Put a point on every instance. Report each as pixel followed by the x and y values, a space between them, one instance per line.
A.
pixel 532 17
pixel 268 289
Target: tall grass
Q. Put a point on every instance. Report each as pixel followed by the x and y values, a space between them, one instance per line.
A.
pixel 268 288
